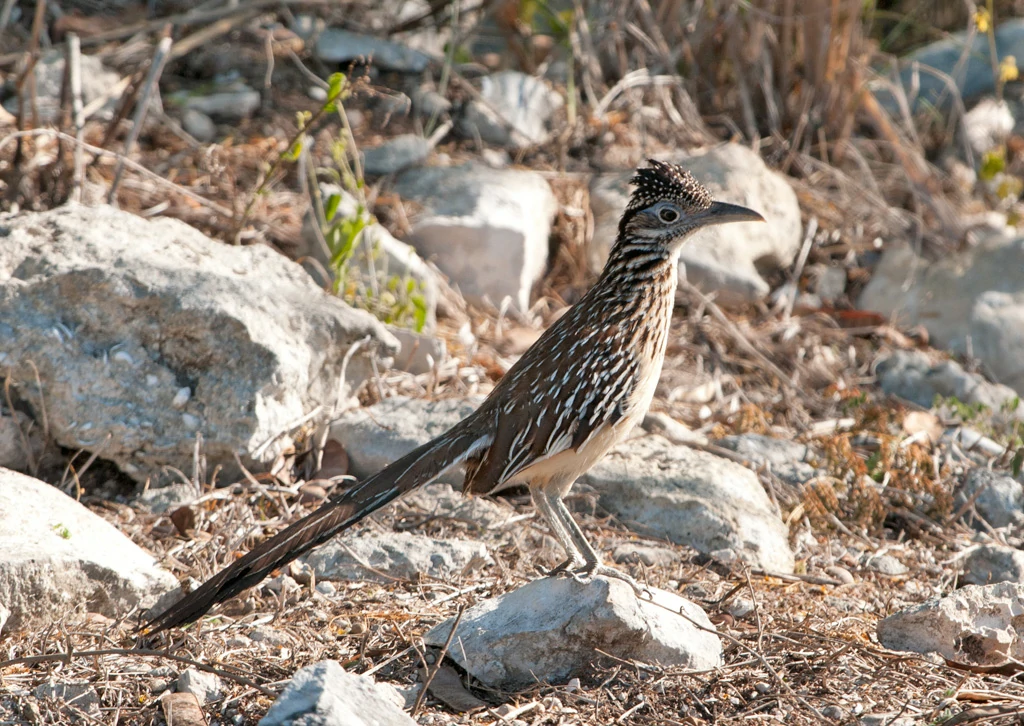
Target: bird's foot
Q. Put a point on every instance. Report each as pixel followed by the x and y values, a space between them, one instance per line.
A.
pixel 587 574
pixel 567 568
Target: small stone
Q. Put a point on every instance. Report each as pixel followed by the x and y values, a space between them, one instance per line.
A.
pixel 785 458
pixel 998 497
pixel 396 154
pixel 840 573
pixel 548 631
pixel 833 712
pixel 327 589
pixel 80 696
pixel 335 45
pixel 975 624
pixel 270 636
pixel 516 111
pixel 229 104
pixel 198 125
pixel 989 564
pixel 206 687
pixel 887 565
pixel 403 555
pixel 419 353
pixel 740 607
pixel 649 556
pixel 325 693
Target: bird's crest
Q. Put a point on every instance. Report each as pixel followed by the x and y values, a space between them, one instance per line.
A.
pixel 662 181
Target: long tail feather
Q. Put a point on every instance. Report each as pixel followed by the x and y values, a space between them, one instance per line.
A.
pixel 417 468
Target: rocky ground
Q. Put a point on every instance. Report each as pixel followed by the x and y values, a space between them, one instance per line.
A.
pixel 298 276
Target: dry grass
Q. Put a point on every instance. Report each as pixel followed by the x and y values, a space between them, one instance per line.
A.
pixel 786 78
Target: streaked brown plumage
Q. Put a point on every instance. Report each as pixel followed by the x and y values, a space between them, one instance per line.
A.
pixel 572 396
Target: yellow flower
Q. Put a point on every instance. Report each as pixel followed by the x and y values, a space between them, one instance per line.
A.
pixel 982 20
pixel 1008 69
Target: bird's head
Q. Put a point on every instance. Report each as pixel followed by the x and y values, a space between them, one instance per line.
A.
pixel 668 205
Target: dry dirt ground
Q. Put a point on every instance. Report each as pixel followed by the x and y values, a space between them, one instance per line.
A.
pixel 806 653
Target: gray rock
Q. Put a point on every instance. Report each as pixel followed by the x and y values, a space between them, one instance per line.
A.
pixel 97 81
pixel 976 624
pixel 161 500
pixel 1001 498
pixel 396 154
pixel 692 498
pixel 325 693
pixel 70 698
pixel 550 629
pixel 887 565
pixel 20 441
pixel 116 329
pixel 988 124
pixel 376 436
pixel 970 302
pixel 515 111
pixel 376 253
pixel 728 258
pixel 56 556
pixel 787 459
pixel 428 103
pixel 829 282
pixel 206 687
pixel 419 352
pixel 915 376
pixel 229 104
pixel 486 229
pixel 396 555
pixel 335 45
pixel 991 563
pixel 928 90
pixel 441 500
pixel 200 126
pixel 646 554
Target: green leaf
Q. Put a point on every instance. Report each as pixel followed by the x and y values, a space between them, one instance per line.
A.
pixel 331 208
pixel 1018 462
pixel 993 162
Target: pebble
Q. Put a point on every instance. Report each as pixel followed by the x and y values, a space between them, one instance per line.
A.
pixel 839 573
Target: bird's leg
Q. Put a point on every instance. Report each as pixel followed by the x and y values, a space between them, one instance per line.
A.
pixel 592 565
pixel 575 558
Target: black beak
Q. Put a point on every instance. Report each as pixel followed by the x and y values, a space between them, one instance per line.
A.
pixel 722 212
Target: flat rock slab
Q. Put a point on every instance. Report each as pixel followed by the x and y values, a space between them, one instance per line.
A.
pixel 375 436
pixel 401 555
pixel 991 563
pixel 971 302
pixel 976 624
pixel 137 346
pixel 997 497
pixel 550 630
pixel 714 505
pixel 787 459
pixel 486 229
pixel 56 556
pixel 728 258
pixel 325 694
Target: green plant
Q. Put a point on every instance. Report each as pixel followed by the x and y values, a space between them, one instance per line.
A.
pixel 351 233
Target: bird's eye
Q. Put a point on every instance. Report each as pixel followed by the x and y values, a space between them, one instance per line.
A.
pixel 668 215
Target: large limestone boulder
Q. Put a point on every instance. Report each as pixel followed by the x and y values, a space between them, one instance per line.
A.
pixel 57 557
pixel 690 497
pixel 146 334
pixel 486 229
pixel 970 301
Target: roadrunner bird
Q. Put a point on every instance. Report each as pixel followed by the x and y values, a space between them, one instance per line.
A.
pixel 572 396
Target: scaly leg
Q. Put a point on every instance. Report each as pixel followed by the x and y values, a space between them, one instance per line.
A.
pixel 575 557
pixel 592 566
